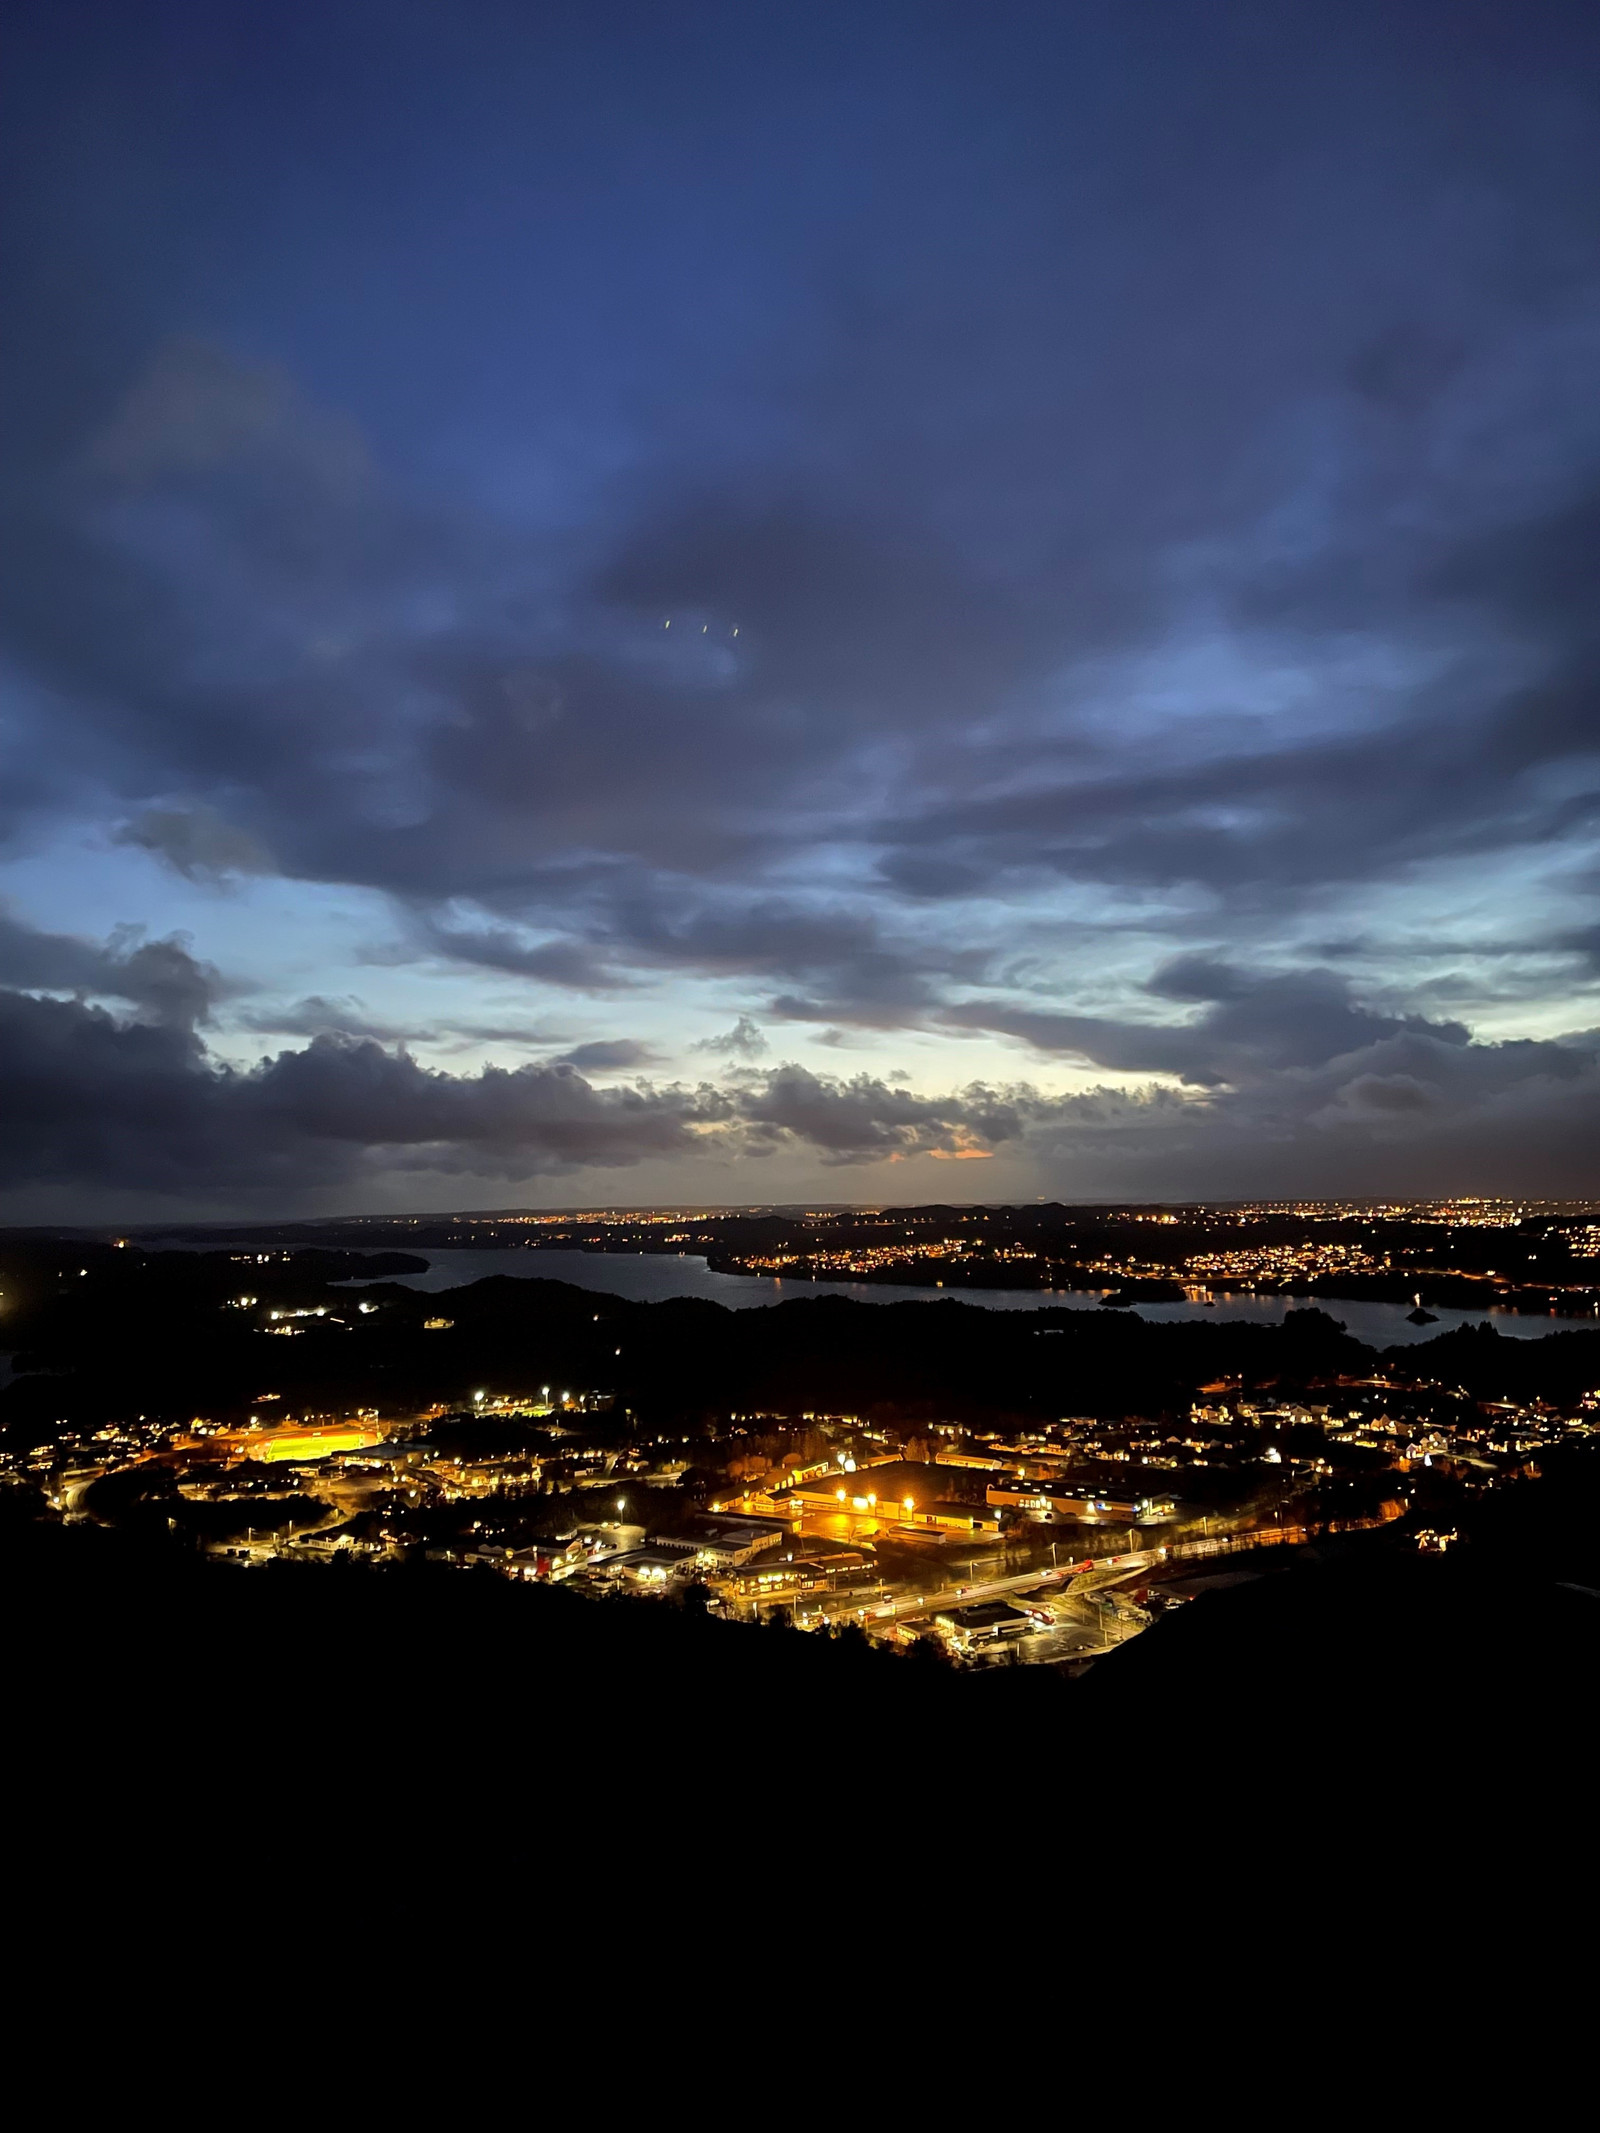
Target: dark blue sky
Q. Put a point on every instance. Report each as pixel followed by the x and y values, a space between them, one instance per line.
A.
pixel 738 603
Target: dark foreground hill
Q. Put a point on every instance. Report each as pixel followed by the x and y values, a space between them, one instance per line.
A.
pixel 1458 1667
pixel 155 1701
pixel 335 1699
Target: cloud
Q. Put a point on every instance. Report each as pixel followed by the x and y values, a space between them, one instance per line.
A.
pixel 1252 1025
pixel 160 978
pixel 1396 1094
pixel 316 1016
pixel 195 410
pixel 743 1041
pixel 567 963
pixel 90 1103
pixel 1053 650
pixel 1407 1114
pixel 867 1120
pixel 197 842
pixel 608 1055
pixel 225 595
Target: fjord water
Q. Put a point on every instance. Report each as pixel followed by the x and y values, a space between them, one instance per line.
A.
pixel 651 1277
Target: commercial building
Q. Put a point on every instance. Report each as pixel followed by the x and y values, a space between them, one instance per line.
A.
pixel 804 1566
pixel 892 1494
pixel 733 1542
pixel 556 1556
pixel 650 1568
pixel 985 1623
pixel 1049 1501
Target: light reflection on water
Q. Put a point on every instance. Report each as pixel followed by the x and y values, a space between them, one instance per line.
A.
pixel 651 1277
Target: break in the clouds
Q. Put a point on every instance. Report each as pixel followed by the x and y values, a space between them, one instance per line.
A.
pixel 721 602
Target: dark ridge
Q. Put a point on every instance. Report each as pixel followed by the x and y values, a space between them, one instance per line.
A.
pixel 1370 1663
pixel 328 1694
pixel 160 1334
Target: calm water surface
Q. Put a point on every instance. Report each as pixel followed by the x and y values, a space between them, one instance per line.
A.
pixel 650 1277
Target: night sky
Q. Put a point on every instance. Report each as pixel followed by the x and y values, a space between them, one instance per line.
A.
pixel 614 603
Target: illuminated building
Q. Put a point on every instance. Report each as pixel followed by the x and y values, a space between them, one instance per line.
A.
pixel 984 1623
pixel 805 1566
pixel 1042 1500
pixel 652 1567
pixel 729 1547
pixel 893 1493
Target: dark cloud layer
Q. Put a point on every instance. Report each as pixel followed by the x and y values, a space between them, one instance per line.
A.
pixel 1250 1026
pixel 983 524
pixel 161 978
pixel 95 1102
pixel 99 1104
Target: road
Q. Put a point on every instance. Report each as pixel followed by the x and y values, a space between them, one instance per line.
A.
pixel 1057 1581
pixel 1050 1581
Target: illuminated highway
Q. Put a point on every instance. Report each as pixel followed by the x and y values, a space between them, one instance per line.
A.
pixel 1056 1581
